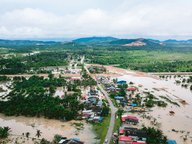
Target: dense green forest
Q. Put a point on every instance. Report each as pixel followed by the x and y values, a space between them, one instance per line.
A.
pixel 153 57
pixel 34 97
pixel 18 65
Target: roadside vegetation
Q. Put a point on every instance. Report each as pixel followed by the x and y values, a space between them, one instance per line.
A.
pixel 101 129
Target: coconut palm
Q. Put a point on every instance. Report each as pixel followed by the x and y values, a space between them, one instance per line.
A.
pixel 38 134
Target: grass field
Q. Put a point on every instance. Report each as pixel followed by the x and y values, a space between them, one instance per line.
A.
pixel 101 129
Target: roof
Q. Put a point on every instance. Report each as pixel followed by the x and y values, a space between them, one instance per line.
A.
pixel 135 132
pixel 119 97
pixel 121 131
pixel 133 105
pixel 139 142
pixel 171 142
pixel 122 82
pixel 132 89
pixel 124 118
pixel 125 138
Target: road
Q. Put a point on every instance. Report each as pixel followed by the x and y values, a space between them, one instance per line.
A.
pixel 113 111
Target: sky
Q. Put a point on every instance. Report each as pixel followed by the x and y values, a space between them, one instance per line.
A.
pixel 160 19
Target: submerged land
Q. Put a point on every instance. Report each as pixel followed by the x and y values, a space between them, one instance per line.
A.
pixel 96 90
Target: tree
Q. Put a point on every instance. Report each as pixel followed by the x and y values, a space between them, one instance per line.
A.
pixel 27 134
pixel 4 132
pixel 105 111
pixel 154 136
pixel 38 134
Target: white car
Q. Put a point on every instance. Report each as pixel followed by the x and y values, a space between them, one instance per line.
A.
pixel 106 140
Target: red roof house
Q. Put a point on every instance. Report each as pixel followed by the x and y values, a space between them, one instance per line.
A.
pixel 125 138
pixel 121 131
pixel 132 89
pixel 129 118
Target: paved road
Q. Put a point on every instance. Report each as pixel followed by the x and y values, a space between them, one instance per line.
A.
pixel 113 111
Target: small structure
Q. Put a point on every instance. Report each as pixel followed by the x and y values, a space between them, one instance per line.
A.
pixel 70 141
pixel 121 82
pixel 125 140
pixel 171 142
pixel 134 105
pixel 135 134
pixel 119 98
pixel 139 142
pixel 132 89
pixel 129 119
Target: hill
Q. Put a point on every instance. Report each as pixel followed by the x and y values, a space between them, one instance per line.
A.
pixel 94 40
pixel 136 42
pixel 24 42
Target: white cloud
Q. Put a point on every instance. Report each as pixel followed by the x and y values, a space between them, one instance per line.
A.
pixel 137 17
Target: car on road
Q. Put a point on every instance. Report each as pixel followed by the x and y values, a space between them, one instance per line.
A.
pixel 106 140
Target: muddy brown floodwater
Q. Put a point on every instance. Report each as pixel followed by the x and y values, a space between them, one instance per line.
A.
pixel 176 126
pixel 48 128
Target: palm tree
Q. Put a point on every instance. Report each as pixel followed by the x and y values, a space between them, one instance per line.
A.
pixel 4 132
pixel 27 134
pixel 38 134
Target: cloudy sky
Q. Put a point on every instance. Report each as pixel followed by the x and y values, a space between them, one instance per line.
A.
pixel 162 19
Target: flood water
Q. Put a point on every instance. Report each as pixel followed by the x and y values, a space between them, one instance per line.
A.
pixel 48 128
pixel 182 120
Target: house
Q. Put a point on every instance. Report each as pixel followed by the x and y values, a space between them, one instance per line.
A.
pixel 139 142
pixel 93 92
pixel 129 119
pixel 171 142
pixel 119 98
pixel 121 82
pixel 135 134
pixel 125 140
pixel 134 105
pixel 121 131
pixel 131 89
pixel 100 103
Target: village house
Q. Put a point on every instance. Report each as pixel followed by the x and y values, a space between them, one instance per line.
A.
pixel 121 82
pixel 129 119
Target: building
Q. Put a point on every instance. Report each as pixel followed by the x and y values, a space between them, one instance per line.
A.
pixel 131 89
pixel 125 140
pixel 129 119
pixel 121 82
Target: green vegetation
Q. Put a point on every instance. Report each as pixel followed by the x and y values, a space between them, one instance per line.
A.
pixel 19 65
pixel 151 101
pixel 4 132
pixel 144 60
pixel 4 78
pixel 101 129
pixel 155 136
pixel 33 97
pixel 168 100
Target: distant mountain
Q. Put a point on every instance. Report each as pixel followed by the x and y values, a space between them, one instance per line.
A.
pixel 94 40
pixel 173 41
pixel 24 42
pixel 136 42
